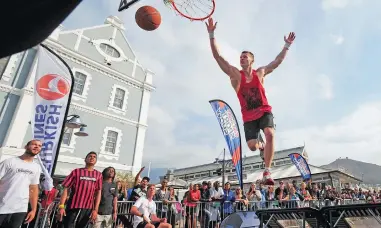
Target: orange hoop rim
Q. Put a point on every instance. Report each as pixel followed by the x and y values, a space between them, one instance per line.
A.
pixel 192 18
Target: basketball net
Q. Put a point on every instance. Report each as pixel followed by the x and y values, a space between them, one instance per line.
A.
pixel 194 10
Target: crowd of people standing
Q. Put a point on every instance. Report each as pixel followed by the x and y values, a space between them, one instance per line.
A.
pixel 90 197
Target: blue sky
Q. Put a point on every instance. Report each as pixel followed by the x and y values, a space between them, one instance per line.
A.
pixel 326 93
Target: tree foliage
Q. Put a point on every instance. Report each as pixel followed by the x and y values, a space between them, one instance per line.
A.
pixel 125 177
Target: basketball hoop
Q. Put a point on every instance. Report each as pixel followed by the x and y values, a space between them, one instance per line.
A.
pixel 194 10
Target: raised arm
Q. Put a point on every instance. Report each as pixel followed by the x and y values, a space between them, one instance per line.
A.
pixel 228 69
pixel 138 176
pixel 279 59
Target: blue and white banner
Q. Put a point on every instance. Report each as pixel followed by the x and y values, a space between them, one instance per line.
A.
pixel 302 165
pixel 229 126
pixel 52 86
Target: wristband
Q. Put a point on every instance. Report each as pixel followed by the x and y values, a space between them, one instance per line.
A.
pixel 287 45
pixel 211 35
pixel 61 206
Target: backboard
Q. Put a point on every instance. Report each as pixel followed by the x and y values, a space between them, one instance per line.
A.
pixel 125 4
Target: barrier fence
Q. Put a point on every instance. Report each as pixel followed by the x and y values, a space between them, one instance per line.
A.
pixel 190 215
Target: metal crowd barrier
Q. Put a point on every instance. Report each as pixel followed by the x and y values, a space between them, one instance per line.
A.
pixel 190 215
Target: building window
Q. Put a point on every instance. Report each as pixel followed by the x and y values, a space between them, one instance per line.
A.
pixel 79 83
pixel 82 81
pixel 109 50
pixel 118 99
pixel 66 138
pixel 111 142
pixel 68 141
pixel 112 137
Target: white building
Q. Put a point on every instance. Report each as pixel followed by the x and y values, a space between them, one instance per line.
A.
pixel 111 95
pixel 282 169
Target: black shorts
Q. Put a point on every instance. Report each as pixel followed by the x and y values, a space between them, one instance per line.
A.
pixel 76 218
pixel 143 224
pixel 14 220
pixel 252 128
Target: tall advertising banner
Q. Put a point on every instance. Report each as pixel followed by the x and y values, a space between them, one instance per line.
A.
pixel 52 86
pixel 301 164
pixel 230 130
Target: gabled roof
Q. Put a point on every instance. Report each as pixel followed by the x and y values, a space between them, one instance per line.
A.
pixel 111 21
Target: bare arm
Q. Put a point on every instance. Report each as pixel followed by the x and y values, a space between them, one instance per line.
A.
pixel 281 56
pixel 33 196
pixel 138 176
pixel 275 63
pixel 134 210
pixel 115 205
pixel 97 200
pixel 224 65
pixel 63 197
pixel 228 69
pixel 154 218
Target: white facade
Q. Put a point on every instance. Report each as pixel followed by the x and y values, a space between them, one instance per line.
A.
pixel 96 102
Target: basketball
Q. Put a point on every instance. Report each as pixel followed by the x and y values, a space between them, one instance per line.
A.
pixel 148 18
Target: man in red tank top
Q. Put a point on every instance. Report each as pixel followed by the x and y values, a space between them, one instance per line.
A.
pixel 249 86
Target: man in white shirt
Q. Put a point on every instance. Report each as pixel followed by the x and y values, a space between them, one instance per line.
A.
pixel 19 179
pixel 144 211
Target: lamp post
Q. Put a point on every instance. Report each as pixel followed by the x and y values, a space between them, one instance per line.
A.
pixel 223 167
pixel 72 122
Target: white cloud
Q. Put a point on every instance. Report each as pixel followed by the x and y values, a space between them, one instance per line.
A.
pixel 326 86
pixel 337 39
pixel 356 136
pixel 339 4
pixel 331 4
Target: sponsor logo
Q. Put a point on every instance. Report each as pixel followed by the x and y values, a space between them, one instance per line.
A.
pixel 52 87
pixel 228 123
pixel 27 171
pixel 47 119
pixel 88 179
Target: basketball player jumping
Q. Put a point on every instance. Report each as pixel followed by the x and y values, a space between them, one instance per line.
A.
pixel 249 86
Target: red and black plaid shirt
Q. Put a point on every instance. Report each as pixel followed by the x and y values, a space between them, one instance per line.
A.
pixel 83 184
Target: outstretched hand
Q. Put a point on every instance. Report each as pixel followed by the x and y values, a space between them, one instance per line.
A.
pixel 210 25
pixel 290 39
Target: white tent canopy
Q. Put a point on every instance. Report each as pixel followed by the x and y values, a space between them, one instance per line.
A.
pixel 177 183
pixel 277 173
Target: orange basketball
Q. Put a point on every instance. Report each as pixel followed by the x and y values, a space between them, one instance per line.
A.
pixel 148 18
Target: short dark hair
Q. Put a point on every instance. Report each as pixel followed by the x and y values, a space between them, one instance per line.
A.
pixel 146 178
pixel 248 52
pixel 28 143
pixel 92 152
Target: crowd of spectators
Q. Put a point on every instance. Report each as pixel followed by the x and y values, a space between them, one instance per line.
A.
pixel 209 203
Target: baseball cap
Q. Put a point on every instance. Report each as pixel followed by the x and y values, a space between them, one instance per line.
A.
pixel 204 183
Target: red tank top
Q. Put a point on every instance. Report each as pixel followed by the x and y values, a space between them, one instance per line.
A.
pixel 252 98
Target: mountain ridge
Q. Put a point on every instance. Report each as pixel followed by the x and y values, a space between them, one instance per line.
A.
pixel 367 172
